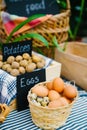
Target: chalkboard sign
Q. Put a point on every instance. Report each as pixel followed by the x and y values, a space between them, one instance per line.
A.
pixel 24 83
pixel 16 48
pixel 31 7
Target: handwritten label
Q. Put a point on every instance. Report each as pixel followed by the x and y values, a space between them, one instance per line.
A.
pixel 28 82
pixel 24 83
pixel 31 7
pixel 17 48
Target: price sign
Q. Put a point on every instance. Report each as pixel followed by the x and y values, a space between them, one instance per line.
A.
pixel 17 48
pixel 24 83
pixel 31 7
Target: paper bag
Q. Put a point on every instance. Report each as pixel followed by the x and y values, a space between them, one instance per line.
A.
pixel 74 62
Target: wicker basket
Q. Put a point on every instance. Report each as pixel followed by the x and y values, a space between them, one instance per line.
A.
pixel 57 25
pixel 49 118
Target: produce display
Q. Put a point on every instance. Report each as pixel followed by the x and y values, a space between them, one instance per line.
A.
pixel 52 94
pixel 22 63
pixel 8 93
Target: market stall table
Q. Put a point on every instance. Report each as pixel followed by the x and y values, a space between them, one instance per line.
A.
pixel 77 120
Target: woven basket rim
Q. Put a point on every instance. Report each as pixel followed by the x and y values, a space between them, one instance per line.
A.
pixel 61 14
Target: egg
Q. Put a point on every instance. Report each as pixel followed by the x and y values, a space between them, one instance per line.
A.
pixel 64 101
pixel 58 84
pixel 68 100
pixel 53 95
pixel 49 85
pixel 70 91
pixel 55 104
pixel 40 90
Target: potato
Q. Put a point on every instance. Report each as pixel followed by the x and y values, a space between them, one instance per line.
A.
pixel 26 56
pixel 10 59
pixel 23 63
pixel 43 61
pixel 21 69
pixel 30 61
pixel 40 65
pixel 36 58
pixel 30 67
pixel 1 57
pixel 14 72
pixel 9 69
pixel 18 58
pixel 15 65
pixel 5 66
pixel 1 64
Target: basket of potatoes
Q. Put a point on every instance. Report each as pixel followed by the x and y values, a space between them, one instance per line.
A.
pixel 22 63
pixel 51 102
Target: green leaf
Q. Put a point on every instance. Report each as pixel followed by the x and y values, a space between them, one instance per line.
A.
pixel 22 24
pixel 65 45
pixel 33 35
pixel 54 40
pixel 71 34
pixel 62 3
pixel 39 50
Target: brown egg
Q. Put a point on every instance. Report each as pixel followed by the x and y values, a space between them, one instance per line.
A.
pixel 58 84
pixel 53 95
pixel 63 101
pixel 40 90
pixel 55 104
pixel 68 100
pixel 70 91
pixel 49 85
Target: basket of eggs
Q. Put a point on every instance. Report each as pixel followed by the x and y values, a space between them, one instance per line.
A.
pixel 51 103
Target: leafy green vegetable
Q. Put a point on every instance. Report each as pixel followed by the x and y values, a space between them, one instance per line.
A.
pixel 22 24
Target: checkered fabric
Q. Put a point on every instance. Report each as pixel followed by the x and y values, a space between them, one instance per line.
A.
pixel 7 87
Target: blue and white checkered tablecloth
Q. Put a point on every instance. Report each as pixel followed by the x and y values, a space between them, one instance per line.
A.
pixel 7 87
